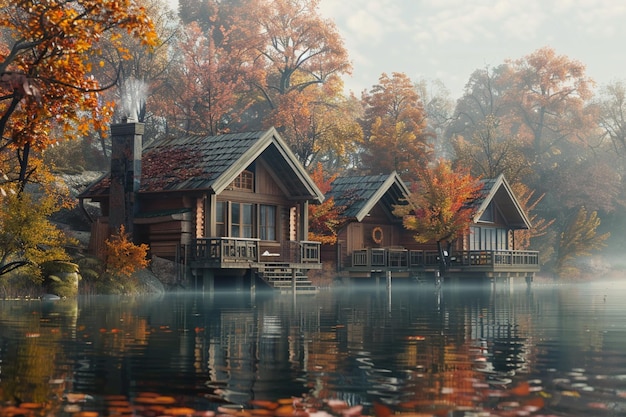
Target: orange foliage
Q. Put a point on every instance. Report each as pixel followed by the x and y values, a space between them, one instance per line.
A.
pixel 394 126
pixel 440 208
pixel 123 257
pixel 318 123
pixel 46 91
pixel 205 92
pixel 324 218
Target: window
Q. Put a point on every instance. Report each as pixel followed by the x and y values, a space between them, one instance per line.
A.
pixel 485 238
pixel 241 220
pixel 220 219
pixel 267 222
pixel 244 181
pixel 474 238
pixel 488 215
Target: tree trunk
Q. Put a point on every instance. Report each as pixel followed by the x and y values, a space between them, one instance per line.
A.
pixel 444 259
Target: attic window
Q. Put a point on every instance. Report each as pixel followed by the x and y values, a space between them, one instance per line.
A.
pixel 244 181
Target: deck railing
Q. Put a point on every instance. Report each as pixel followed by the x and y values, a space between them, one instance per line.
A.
pixel 230 249
pixel 402 258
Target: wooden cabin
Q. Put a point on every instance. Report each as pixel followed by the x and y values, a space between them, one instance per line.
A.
pixel 373 241
pixel 233 208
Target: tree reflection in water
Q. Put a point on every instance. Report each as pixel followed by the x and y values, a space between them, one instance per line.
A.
pixel 344 353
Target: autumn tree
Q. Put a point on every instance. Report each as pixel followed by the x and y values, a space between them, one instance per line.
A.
pixel 320 124
pixel 546 96
pixel 298 47
pixel 45 66
pixel 205 92
pixel 440 207
pixel 324 218
pixel 394 126
pixel 488 153
pixel 27 237
pixel 579 239
pixel 137 73
pixel 123 257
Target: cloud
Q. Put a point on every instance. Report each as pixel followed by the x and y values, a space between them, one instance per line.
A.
pixel 449 39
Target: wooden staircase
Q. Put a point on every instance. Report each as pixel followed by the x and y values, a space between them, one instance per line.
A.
pixel 279 277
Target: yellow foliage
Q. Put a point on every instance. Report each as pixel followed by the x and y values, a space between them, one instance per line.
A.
pixel 27 237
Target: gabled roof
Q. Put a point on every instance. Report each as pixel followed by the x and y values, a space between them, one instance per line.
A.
pixel 499 191
pixel 211 163
pixel 359 194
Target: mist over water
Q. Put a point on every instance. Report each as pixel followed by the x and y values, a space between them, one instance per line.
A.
pixel 410 348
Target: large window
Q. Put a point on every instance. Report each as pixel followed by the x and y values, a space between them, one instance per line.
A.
pixel 267 222
pixel 488 238
pixel 241 220
pixel 234 219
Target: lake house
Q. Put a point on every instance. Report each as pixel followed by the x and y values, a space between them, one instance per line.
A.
pixel 373 242
pixel 232 208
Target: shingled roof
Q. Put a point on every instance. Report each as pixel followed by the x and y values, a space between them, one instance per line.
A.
pixel 359 194
pixel 211 163
pixel 499 191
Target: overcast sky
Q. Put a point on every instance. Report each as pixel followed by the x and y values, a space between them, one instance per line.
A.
pixel 449 39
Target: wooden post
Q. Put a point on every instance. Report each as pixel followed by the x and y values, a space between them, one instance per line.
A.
pixel 252 284
pixel 389 291
pixel 208 281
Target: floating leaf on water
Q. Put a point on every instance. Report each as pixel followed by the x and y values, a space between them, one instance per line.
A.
pixel 86 414
pixel 118 403
pixel 163 399
pixel 261 412
pixel 270 405
pixel 521 390
pixel 284 411
pixel 179 411
pixel 31 406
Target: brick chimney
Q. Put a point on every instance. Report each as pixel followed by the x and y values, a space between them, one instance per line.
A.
pixel 126 147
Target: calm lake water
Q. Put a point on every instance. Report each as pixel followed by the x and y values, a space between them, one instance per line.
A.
pixel 548 350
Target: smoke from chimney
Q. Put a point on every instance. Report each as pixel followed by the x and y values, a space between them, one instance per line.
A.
pixel 126 147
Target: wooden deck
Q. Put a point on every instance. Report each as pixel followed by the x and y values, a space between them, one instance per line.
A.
pixel 228 252
pixel 282 266
pixel 487 262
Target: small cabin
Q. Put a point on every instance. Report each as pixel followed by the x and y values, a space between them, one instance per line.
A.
pixel 231 208
pixel 373 241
